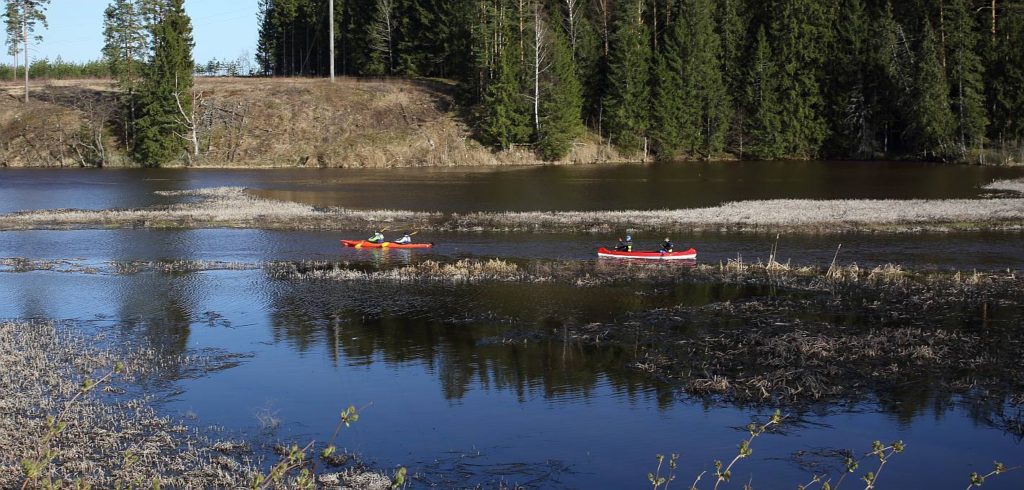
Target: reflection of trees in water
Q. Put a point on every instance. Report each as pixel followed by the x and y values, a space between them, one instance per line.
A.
pixel 456 333
pixel 366 323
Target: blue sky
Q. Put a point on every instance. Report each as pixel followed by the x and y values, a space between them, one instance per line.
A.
pixel 221 28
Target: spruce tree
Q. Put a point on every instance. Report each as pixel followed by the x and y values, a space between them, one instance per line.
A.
pixel 847 110
pixel 932 122
pixel 1007 81
pixel 626 104
pixel 673 112
pixel 763 102
pixel 166 83
pixel 562 104
pixel 965 72
pixel 702 79
pixel 266 43
pixel 505 121
pixel 732 31
pixel 799 35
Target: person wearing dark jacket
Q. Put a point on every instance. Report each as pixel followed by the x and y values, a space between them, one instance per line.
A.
pixel 625 245
pixel 666 247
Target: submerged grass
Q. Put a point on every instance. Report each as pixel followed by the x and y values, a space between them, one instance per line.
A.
pixel 106 439
pixel 232 207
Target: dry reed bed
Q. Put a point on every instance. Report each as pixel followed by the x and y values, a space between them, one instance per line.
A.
pixel 228 207
pixel 1011 185
pixel 233 208
pixel 889 278
pixel 848 336
pixel 45 364
pixel 460 272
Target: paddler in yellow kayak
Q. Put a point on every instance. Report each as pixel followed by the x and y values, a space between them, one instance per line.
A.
pixel 378 237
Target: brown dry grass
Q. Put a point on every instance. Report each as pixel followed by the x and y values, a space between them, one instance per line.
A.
pixel 277 122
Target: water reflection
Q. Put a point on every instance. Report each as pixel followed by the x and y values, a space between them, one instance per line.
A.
pixel 440 350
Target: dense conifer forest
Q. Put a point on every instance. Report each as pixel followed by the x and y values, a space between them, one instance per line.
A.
pixel 935 79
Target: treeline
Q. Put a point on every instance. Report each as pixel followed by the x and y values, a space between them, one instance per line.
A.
pixel 57 69
pixel 938 79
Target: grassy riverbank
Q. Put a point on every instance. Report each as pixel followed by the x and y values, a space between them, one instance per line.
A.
pixel 110 435
pixel 266 122
pixel 231 207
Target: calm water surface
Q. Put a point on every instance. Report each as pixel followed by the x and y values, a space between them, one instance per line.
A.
pixel 442 395
pixel 458 408
pixel 630 186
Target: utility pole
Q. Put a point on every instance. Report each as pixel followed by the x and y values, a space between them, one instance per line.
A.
pixel 330 10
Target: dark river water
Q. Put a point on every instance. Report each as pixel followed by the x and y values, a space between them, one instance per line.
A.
pixel 602 187
pixel 442 396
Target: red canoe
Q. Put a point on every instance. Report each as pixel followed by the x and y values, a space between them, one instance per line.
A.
pixel 366 244
pixel 614 254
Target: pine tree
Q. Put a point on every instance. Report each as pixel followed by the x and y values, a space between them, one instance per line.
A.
pixel 965 72
pixel 763 102
pixel 124 50
pixel 165 91
pixel 23 16
pixel 562 104
pixel 626 104
pixel 124 46
pixel 932 121
pixel 12 24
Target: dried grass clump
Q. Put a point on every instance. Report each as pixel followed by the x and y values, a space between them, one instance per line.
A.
pixel 178 266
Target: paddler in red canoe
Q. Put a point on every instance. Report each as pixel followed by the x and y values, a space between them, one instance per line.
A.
pixel 378 237
pixel 625 245
pixel 666 247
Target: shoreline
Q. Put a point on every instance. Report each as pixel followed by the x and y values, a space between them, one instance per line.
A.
pixel 234 207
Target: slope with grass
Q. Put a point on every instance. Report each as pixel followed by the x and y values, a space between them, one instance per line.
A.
pixel 266 122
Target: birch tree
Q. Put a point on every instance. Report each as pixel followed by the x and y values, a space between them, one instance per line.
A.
pixel 382 35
